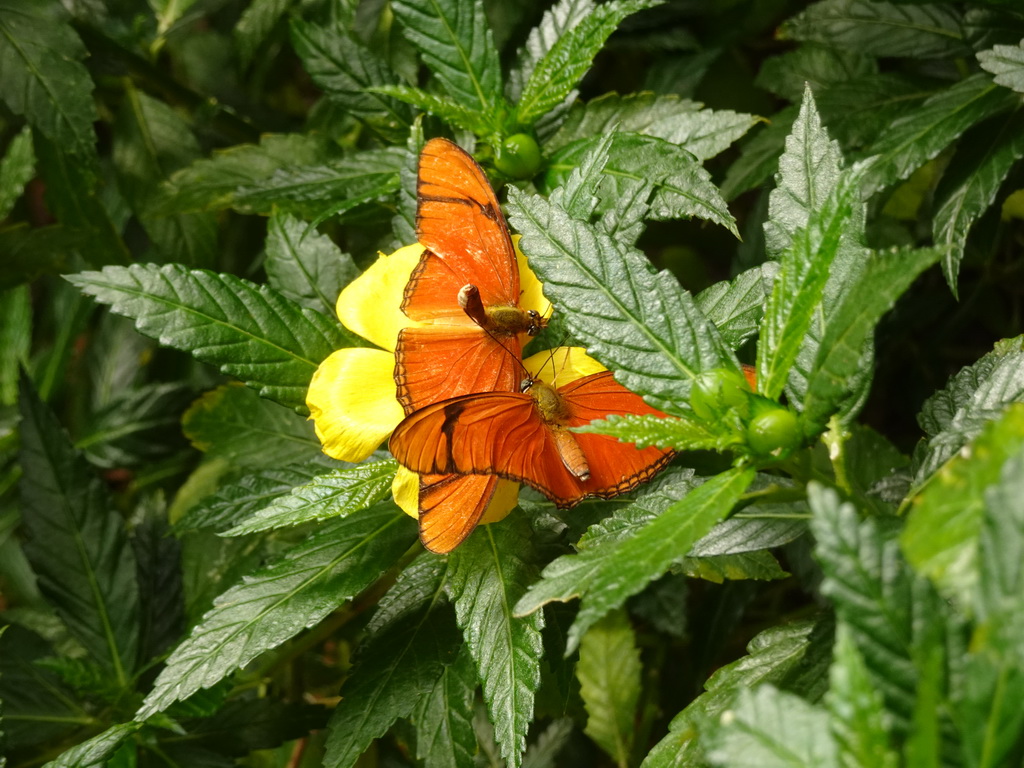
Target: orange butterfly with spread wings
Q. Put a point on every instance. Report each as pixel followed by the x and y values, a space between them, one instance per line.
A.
pixel 465 292
pixel 525 436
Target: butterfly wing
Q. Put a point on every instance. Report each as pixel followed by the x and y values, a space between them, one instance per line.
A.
pixel 451 506
pixel 433 363
pixel 459 220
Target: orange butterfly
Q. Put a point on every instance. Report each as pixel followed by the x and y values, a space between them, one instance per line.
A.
pixel 466 291
pixel 525 436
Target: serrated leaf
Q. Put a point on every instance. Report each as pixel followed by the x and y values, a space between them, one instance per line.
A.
pixel 95 752
pixel 444 717
pixel 638 560
pixel 970 183
pixel 233 423
pixel 348 72
pixel 78 546
pixel 248 331
pixel 836 369
pixel 241 725
pixel 151 141
pixel 456 44
pixel 559 18
pixel 44 78
pixel 876 595
pixel 237 500
pixel 609 672
pixel 799 286
pixel 919 136
pixel 682 433
pixel 758 566
pixel 256 24
pixel 15 340
pixel 210 184
pixel 681 186
pixel 403 223
pixel 1006 62
pixel 819 67
pixel 16 169
pixel 941 535
pixel 736 307
pixel 556 73
pixel 769 728
pixel 858 111
pixel 338 185
pixel 702 132
pixel 857 711
pixel 759 155
pixel 444 107
pixel 400 666
pixel 881 29
pixel 169 11
pixel 1000 383
pixel 161 594
pixel 306 267
pixel 784 656
pixel 489 573
pixel 332 565
pixel 570 576
pixel 337 494
pixel 641 324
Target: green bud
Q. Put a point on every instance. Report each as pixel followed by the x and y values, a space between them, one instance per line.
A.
pixel 518 156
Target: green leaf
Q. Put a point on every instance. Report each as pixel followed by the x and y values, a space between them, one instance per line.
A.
pixel 819 67
pixel 759 155
pixel 641 324
pixel 736 307
pixel 785 656
pixel 248 331
pixel 683 433
pixel 970 183
pixel 169 11
pixel 761 566
pixel 769 728
pixel 78 546
pixel 941 535
pixel 332 565
pixel 444 717
pixel 920 135
pixel 400 666
pixel 403 223
pixel 682 187
pixel 256 24
pixel 751 534
pixel 95 752
pixel 238 500
pixel 570 576
pixel 337 184
pixel 210 184
pixel 609 672
pixel 800 285
pixel 555 74
pixel 444 107
pixel 489 573
pixel 16 169
pixel 988 717
pixel 308 268
pixel 881 29
pixel 703 133
pixel 638 560
pixel 151 141
pixel 337 494
pixel 858 111
pixel 453 38
pixel 1006 62
pixel 888 610
pixel 44 78
pixel 233 423
pixel 348 72
pixel 836 369
pixel 15 340
pixel 858 717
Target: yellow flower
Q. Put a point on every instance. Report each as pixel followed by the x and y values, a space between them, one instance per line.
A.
pixel 352 396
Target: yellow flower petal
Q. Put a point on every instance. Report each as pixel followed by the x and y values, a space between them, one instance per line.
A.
pixel 531 294
pixel 406 490
pixel 561 365
pixel 352 402
pixel 506 496
pixel 371 305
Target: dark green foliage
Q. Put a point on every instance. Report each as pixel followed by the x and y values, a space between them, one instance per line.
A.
pixel 828 575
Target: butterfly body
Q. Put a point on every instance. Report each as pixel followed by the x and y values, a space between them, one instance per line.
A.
pixel 499 319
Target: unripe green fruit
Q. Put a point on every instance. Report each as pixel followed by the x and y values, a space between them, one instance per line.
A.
pixel 715 392
pixel 773 432
pixel 518 156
